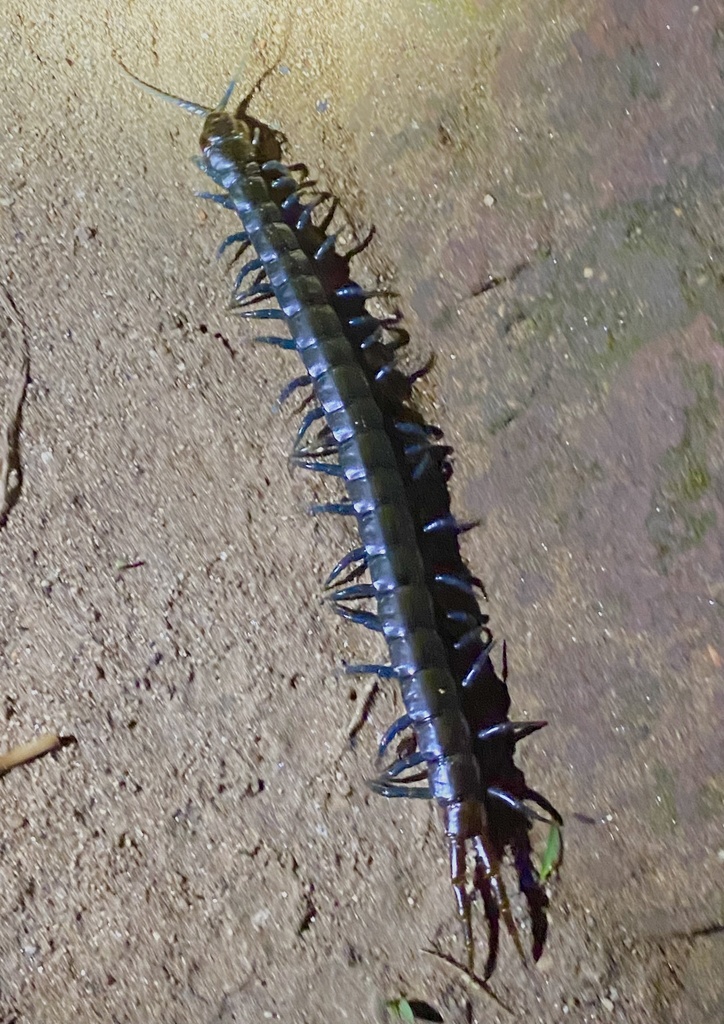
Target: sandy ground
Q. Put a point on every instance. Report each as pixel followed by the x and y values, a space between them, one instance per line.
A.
pixel 206 850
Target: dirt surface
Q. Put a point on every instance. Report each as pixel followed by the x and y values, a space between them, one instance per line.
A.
pixel 207 851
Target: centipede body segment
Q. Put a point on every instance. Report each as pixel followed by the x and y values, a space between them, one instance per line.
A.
pixel 360 426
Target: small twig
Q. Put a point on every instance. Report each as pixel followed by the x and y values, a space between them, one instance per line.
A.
pixel 452 962
pixel 10 469
pixel 495 280
pixel 26 752
pixel 122 567
pixel 363 709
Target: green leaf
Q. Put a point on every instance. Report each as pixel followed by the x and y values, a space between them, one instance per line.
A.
pixel 401 1010
pixel 553 853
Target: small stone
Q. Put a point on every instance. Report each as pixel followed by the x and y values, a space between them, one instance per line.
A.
pixel 607 1004
pixel 588 273
pixel 260 918
pixel 488 200
pixel 83 234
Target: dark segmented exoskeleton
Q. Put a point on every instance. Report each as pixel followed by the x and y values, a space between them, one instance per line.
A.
pixel 395 471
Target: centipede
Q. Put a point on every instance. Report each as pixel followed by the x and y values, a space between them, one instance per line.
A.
pixel 406 577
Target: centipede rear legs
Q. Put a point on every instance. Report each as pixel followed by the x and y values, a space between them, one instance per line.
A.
pixel 488 883
pixel 458 878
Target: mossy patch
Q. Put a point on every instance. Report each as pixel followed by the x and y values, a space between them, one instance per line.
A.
pixel 573 320
pixel 679 518
pixel 710 798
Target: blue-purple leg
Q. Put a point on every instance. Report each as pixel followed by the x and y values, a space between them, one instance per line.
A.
pixel 366 321
pixel 421 430
pixel 255 293
pixel 518 730
pixel 248 268
pixel 357 555
pixel 216 197
pixel 534 893
pixel 292 386
pixel 367 619
pixel 538 798
pixel 328 468
pixel 383 671
pixel 238 238
pixel 335 508
pixel 449 523
pixel 399 791
pixel 305 216
pixel 472 635
pixel 357 592
pixel 326 246
pixel 285 181
pixel 269 339
pixel 478 664
pixel 262 314
pixel 310 417
pixel 514 804
pixel 404 764
pixel 465 583
pixel 398 726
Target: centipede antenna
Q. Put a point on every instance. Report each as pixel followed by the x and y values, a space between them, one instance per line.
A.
pixel 241 109
pixel 221 105
pixel 188 105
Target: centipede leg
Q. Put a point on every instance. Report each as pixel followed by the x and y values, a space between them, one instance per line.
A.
pixel 489 880
pixel 534 892
pixel 492 916
pixel 538 798
pixel 458 878
pixel 361 246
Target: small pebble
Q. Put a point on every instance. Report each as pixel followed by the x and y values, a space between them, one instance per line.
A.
pixel 488 200
pixel 260 918
pixel 588 273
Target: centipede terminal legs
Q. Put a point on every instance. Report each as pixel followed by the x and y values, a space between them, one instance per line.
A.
pixel 458 878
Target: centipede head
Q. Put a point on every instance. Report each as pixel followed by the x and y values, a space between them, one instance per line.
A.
pixel 225 135
pixel 251 138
